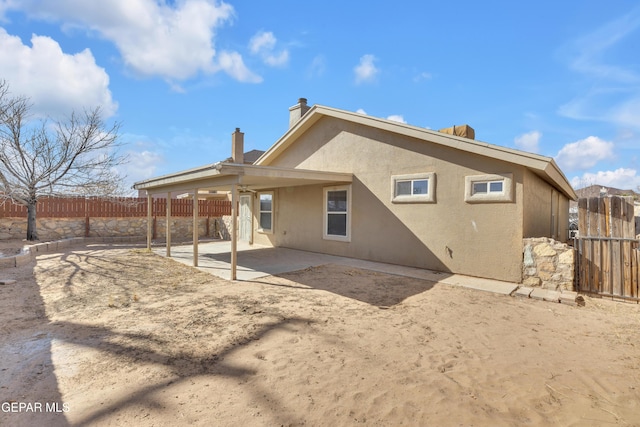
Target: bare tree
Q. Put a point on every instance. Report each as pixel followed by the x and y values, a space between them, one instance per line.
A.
pixel 76 156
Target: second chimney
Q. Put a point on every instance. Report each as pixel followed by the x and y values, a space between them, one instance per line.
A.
pixel 297 111
pixel 237 147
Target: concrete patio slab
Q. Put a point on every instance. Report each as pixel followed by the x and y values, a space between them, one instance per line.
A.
pixel 256 261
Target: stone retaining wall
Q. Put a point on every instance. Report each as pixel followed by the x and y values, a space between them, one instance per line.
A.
pixel 64 228
pixel 30 251
pixel 548 264
pixel 225 224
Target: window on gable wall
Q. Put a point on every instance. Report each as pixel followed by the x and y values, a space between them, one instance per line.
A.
pixel 337 213
pixel 414 188
pixel 489 188
pixel 266 212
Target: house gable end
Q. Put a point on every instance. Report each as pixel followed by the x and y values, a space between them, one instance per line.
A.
pixel 543 166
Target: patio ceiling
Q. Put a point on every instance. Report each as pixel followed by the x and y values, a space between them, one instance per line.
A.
pixel 222 176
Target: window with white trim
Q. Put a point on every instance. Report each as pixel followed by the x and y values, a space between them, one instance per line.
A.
pixel 413 188
pixel 265 216
pixel 489 188
pixel 337 213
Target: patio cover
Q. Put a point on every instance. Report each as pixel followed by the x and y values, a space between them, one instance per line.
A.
pixel 232 177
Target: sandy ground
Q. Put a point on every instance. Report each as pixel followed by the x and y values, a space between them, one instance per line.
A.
pixel 113 336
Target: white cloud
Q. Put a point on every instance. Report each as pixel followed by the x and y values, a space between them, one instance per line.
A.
pixel 155 38
pixel 263 44
pixel 55 82
pixel 397 118
pixel 584 154
pixel 317 66
pixel 366 71
pixel 144 156
pixel 627 113
pixel 590 49
pixel 361 111
pixel 620 107
pixel 262 41
pixel 611 92
pixel 528 141
pixel 232 64
pixel 142 165
pixel 422 76
pixel 622 178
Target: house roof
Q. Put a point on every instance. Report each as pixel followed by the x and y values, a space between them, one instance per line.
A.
pixel 250 157
pixel 543 166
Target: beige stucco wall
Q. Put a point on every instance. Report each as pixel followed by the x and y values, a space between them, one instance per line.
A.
pixel 481 239
pixel 541 201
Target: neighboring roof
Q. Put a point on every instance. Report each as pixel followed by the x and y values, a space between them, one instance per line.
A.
pixel 595 191
pixel 543 166
pixel 250 157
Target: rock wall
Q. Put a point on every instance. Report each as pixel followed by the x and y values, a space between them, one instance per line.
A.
pixel 48 228
pixel 64 228
pixel 224 224
pixel 548 264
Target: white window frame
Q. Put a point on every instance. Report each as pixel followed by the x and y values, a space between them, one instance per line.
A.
pixel 260 212
pixel 430 197
pixel 326 213
pixel 506 195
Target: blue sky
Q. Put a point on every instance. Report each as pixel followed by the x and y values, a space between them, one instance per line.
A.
pixel 561 79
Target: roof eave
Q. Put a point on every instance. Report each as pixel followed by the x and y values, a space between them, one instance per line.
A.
pixel 178 177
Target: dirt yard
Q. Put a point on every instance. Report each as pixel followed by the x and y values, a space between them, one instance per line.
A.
pixel 113 336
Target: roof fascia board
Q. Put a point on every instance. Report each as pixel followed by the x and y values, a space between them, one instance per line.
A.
pixel 553 171
pixel 222 175
pixel 199 172
pixel 278 172
pixel 220 182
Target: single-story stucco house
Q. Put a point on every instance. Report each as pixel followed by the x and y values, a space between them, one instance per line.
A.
pixel 349 184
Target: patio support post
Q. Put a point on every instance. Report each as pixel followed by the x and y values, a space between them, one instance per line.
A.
pixel 149 220
pixel 234 231
pixel 195 227
pixel 167 224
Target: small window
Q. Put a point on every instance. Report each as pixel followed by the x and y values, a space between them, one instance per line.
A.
pixel 415 188
pixel 266 212
pixel 479 187
pixel 489 188
pixel 337 215
pixel 496 186
pixel 486 187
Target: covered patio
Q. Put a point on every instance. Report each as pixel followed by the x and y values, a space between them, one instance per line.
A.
pixel 255 261
pixel 234 178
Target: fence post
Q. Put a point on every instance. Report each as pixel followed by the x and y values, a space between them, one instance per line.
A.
pixel 86 218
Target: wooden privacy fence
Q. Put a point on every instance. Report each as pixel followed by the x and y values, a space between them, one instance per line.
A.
pixel 607 251
pixel 121 207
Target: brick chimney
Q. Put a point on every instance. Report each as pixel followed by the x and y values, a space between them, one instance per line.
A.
pixel 297 111
pixel 237 147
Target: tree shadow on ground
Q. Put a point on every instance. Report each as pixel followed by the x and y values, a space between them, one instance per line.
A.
pixel 27 374
pixel 182 366
pixel 375 288
pixel 30 349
